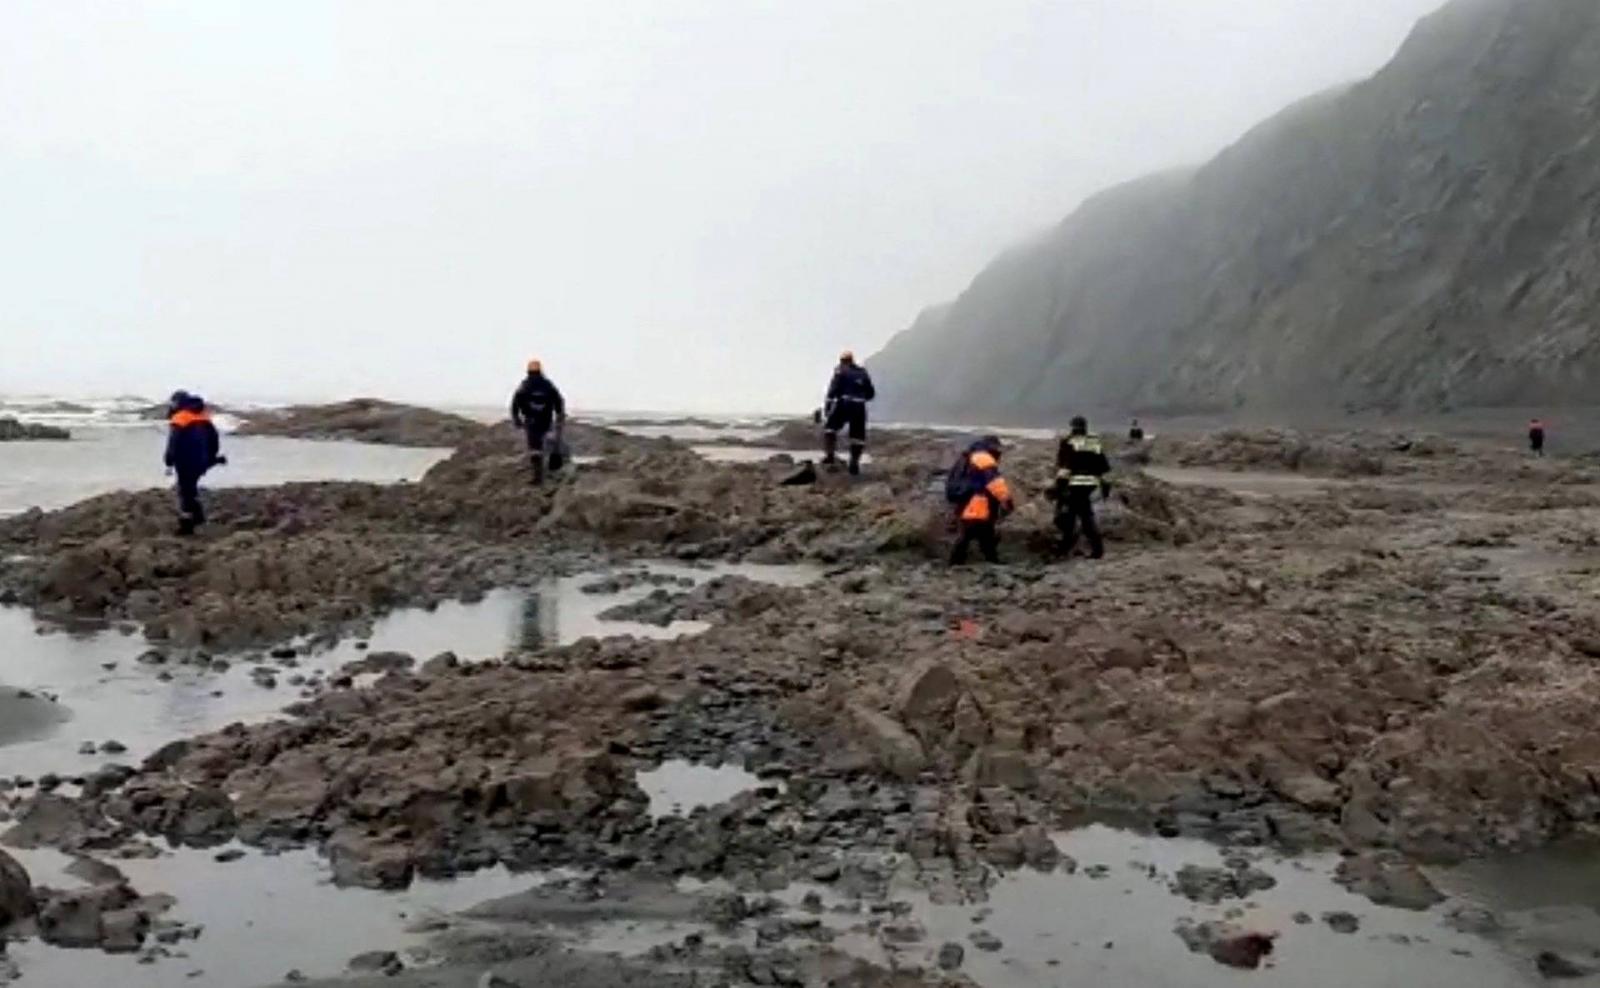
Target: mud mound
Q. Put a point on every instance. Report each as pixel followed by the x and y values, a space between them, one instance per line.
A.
pixel 13 431
pixel 367 420
pixel 1237 449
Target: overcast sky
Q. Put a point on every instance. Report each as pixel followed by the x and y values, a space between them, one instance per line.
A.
pixel 676 203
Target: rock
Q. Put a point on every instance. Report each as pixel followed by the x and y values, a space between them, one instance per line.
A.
pixel 1474 919
pixel 1225 944
pixel 230 855
pixel 1342 922
pixel 896 750
pixel 440 664
pixel 78 918
pixel 16 892
pixel 122 931
pixel 362 862
pixel 985 941
pixel 950 956
pixel 490 979
pixel 1387 880
pixel 1213 885
pixel 1310 791
pixel 1557 968
pixel 94 872
pixel 13 431
pixel 930 691
pixel 385 962
pixel 113 748
pixel 642 698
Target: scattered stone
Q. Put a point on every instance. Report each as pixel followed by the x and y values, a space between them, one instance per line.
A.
pixel 385 962
pixel 230 855
pixel 1225 944
pixel 16 892
pixel 1387 880
pixel 1553 966
pixel 985 941
pixel 1342 922
pixel 951 955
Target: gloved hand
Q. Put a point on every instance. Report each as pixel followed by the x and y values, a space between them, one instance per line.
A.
pixel 169 471
pixel 1105 490
pixel 222 461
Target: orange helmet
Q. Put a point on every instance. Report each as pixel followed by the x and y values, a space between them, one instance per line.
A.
pixel 535 366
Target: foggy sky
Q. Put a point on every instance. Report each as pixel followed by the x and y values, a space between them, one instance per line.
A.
pixel 678 204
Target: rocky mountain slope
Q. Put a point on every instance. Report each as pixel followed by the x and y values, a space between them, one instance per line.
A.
pixel 1424 239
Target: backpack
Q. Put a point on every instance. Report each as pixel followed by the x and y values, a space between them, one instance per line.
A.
pixel 958 483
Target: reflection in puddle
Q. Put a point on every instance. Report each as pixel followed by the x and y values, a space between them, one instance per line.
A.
pixel 1071 929
pixel 678 788
pixel 105 693
pixel 263 916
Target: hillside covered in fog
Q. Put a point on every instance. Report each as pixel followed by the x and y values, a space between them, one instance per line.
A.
pixel 1425 239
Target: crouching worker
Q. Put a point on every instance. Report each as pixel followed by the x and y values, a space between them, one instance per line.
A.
pixel 193 448
pixel 981 497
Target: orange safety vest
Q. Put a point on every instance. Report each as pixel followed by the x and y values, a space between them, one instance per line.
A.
pixel 979 508
pixel 186 418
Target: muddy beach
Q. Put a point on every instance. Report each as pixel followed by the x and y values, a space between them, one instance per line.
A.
pixel 668 722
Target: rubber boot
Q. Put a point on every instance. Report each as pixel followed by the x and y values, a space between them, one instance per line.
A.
pixel 536 463
pixel 855 460
pixel 186 525
pixel 830 449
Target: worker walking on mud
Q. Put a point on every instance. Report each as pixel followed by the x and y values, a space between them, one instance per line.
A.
pixel 846 408
pixel 193 448
pixel 1536 437
pixel 1135 432
pixel 536 406
pixel 981 497
pixel 1081 466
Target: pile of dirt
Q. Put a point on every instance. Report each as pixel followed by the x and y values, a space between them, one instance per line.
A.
pixel 13 431
pixel 367 420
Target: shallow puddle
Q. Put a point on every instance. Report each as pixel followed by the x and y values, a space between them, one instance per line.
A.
pixel 104 693
pixel 678 788
pixel 263 917
pixel 1061 929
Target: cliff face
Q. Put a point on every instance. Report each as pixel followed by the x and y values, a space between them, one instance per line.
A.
pixel 1427 238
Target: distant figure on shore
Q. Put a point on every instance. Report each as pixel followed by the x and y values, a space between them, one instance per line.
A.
pixel 1536 437
pixel 981 496
pixel 848 393
pixel 193 448
pixel 1135 432
pixel 536 406
pixel 1081 466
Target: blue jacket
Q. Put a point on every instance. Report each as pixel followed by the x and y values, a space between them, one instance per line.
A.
pixel 193 445
pixel 537 400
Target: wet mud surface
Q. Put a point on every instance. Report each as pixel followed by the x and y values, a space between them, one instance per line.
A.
pixel 1335 691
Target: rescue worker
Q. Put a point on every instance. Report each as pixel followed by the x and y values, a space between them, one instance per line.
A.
pixel 1536 437
pixel 988 500
pixel 1135 432
pixel 193 447
pixel 535 407
pixel 1081 466
pixel 846 408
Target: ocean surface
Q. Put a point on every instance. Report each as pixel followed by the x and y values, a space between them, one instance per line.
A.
pixel 116 445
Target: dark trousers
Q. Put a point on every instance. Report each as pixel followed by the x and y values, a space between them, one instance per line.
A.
pixel 1075 506
pixel 537 429
pixel 982 532
pixel 850 417
pixel 1536 442
pixel 191 513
